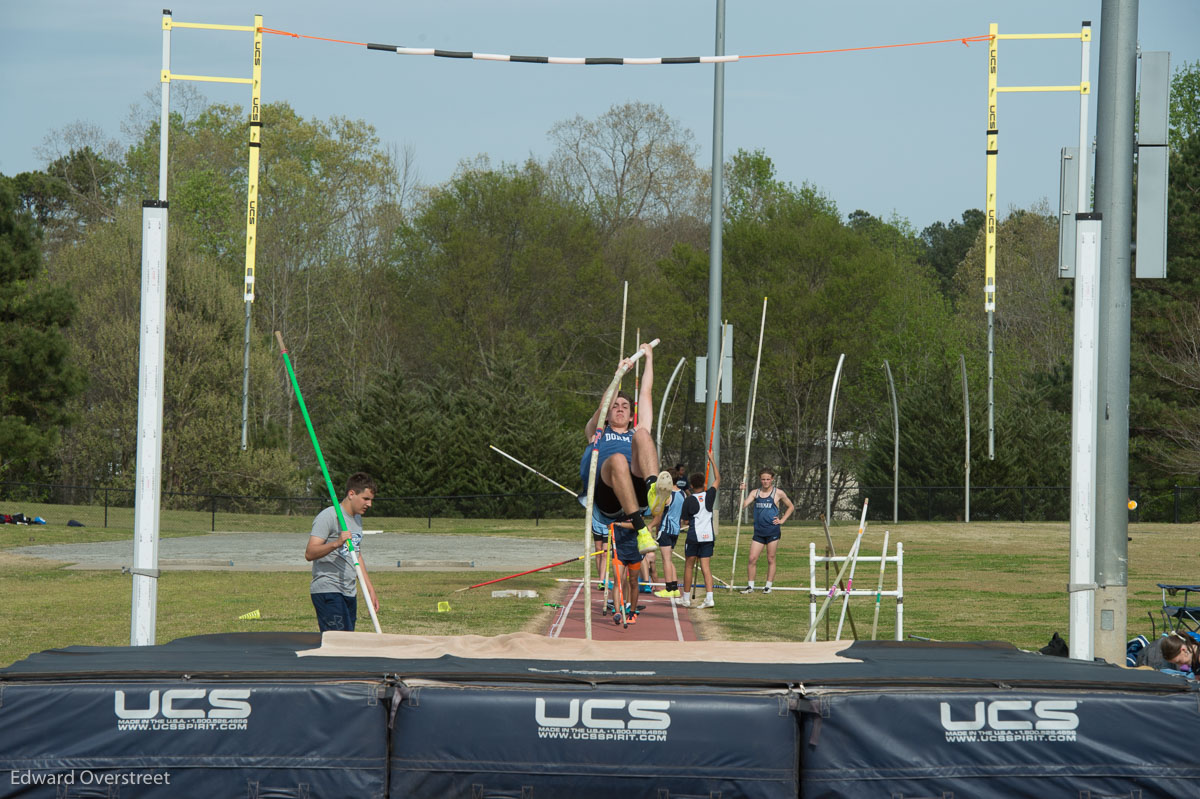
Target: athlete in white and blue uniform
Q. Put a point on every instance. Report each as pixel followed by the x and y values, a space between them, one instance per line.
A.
pixel 701 535
pixel 767 500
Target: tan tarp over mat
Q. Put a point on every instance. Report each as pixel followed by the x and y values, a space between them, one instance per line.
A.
pixel 528 646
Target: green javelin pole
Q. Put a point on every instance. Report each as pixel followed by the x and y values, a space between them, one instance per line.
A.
pixel 328 483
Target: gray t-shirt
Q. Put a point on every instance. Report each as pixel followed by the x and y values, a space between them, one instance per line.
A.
pixel 334 573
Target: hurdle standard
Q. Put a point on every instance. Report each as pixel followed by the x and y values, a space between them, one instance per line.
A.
pixel 817 592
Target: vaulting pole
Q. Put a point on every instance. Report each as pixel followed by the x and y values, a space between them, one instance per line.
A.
pixel 879 587
pixel 837 376
pixel 895 445
pixel 850 582
pixel 716 399
pixel 530 571
pixel 362 580
pixel 851 557
pixel 662 408
pixel 830 552
pixel 609 551
pixel 535 471
pixel 624 309
pixel 749 437
pixel 712 430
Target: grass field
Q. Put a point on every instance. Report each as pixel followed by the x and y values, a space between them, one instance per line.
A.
pixel 982 581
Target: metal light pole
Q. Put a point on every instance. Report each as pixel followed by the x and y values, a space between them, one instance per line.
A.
pixel 1114 194
pixel 713 422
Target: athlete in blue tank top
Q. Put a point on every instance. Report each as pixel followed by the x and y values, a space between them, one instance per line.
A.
pixel 666 522
pixel 627 461
pixel 765 514
pixel 767 500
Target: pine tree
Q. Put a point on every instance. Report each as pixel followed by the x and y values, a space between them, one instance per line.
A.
pixel 37 378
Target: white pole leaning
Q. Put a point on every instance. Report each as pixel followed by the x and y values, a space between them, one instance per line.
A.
pixel 624 308
pixel 749 437
pixel 812 630
pixel 850 578
pixel 879 587
pixel 535 471
pixel 837 374
pixel 607 399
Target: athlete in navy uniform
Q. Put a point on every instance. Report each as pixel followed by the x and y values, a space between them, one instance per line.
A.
pixel 767 499
pixel 627 465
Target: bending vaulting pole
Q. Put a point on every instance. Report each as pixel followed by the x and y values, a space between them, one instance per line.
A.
pixel 662 408
pixel 837 375
pixel 895 445
pixel 749 437
pixel 362 580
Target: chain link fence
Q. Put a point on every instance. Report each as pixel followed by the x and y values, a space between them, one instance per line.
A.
pixel 114 506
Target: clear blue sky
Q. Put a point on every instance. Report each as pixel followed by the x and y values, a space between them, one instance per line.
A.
pixel 889 131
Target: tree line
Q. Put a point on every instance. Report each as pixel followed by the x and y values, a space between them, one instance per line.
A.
pixel 428 321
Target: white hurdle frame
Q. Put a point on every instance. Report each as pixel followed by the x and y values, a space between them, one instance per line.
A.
pixel 816 593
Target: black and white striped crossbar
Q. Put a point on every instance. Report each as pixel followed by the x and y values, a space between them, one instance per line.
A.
pixel 542 59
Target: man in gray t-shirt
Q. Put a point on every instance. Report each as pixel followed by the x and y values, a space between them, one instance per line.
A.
pixel 334 587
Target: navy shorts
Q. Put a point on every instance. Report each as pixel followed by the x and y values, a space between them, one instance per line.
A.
pixel 605 498
pixel 698 549
pixel 667 539
pixel 768 537
pixel 627 546
pixel 335 611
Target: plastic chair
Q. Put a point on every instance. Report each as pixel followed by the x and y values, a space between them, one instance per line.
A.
pixel 1180 613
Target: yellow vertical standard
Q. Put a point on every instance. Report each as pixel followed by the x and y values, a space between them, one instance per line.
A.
pixel 252 173
pixel 993 145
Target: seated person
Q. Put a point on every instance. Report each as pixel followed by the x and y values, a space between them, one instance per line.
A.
pixel 1166 653
pixel 1181 653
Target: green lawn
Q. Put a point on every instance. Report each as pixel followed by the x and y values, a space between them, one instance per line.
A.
pixel 961 582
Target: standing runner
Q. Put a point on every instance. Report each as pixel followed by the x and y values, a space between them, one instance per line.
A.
pixel 701 535
pixel 767 525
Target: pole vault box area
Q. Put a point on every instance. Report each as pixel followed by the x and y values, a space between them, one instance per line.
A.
pixel 289 715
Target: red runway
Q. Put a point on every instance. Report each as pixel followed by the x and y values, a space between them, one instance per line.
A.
pixel 660 620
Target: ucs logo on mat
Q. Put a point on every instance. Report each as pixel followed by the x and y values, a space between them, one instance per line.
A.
pixel 1012 720
pixel 183 709
pixel 604 720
